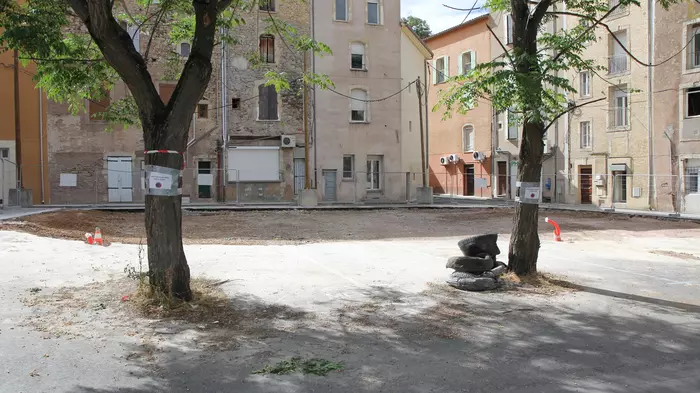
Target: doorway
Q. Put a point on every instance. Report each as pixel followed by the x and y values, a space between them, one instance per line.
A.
pixel 299 175
pixel 586 184
pixel 205 180
pixel 119 182
pixel 329 185
pixel 502 179
pixel 469 179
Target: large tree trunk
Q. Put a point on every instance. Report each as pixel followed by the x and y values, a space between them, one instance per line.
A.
pixel 524 240
pixel 168 271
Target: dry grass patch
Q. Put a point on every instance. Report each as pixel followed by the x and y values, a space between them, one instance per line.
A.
pixel 540 283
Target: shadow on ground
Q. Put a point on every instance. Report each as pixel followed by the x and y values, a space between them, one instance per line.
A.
pixel 447 341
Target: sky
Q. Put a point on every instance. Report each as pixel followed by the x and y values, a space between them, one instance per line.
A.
pixel 439 17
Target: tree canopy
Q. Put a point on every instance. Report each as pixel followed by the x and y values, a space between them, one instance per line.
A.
pixel 419 26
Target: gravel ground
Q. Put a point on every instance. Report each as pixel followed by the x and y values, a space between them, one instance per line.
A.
pixel 294 226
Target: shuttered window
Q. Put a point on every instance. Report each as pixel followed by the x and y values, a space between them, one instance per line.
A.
pixel 267 103
pixel 267 48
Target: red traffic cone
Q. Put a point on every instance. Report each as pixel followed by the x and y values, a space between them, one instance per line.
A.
pixel 89 239
pixel 98 237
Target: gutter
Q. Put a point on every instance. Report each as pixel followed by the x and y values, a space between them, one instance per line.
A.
pixel 650 106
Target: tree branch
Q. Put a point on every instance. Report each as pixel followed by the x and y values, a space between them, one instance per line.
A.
pixel 571 108
pixel 118 49
pixel 505 50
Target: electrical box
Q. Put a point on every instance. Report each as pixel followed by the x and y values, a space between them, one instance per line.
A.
pixel 599 180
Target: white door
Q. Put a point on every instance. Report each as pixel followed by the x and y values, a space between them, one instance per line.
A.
pixel 119 182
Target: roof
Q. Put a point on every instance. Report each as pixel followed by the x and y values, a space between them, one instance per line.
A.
pixel 453 28
pixel 417 41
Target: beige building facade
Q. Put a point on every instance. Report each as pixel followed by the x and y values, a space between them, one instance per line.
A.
pixel 414 54
pixel 357 125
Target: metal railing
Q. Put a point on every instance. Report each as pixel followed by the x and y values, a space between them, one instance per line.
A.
pixel 618 64
pixel 619 117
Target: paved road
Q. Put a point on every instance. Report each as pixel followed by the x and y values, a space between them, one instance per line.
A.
pixel 635 327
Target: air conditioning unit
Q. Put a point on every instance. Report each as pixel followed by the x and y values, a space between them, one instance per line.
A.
pixel 600 180
pixel 453 158
pixel 288 141
pixel 444 160
pixel 478 156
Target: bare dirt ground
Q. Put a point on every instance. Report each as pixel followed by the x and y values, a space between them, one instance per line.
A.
pixel 296 226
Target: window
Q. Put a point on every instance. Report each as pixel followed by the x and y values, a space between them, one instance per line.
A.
pixel 617 63
pixel 348 167
pixel 267 103
pixel 202 111
pixel 267 48
pixel 357 56
pixel 235 103
pixel 512 126
pixel 374 173
pixel 373 17
pixel 509 29
pixel 441 67
pixel 467 62
pixel 4 153
pixel 341 10
pixel 585 134
pixel 468 138
pixel 267 5
pixel 133 32
pixel 99 106
pixel 620 111
pixel 692 172
pixel 620 193
pixel 358 106
pixel 694 47
pixel 184 49
pixel 585 89
pixel 692 99
pixel 166 91
pixel 253 163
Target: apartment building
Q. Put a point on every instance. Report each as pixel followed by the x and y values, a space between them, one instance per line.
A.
pixel 676 107
pixel 461 150
pixel 264 129
pixel 23 147
pixel 610 143
pixel 357 124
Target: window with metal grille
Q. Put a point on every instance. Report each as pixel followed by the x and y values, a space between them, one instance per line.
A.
pixel 4 153
pixel 267 103
pixel 267 48
pixel 691 179
pixel 267 5
pixel 357 56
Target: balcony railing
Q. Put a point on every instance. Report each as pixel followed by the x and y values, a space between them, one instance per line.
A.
pixel 619 117
pixel 617 64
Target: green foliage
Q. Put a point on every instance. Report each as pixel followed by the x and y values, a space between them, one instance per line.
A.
pixel 71 68
pixel 315 366
pixel 419 26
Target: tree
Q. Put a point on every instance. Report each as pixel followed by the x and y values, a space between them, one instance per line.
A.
pixel 525 80
pixel 419 26
pixel 81 50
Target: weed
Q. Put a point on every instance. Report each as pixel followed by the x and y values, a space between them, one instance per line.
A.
pixel 314 366
pixel 136 272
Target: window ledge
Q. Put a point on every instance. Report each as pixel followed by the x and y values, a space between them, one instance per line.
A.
pixel 341 21
pixel 358 69
pixel 268 121
pixel 266 12
pixel 347 180
pixel 618 129
pixel 374 24
pixel 619 74
pixel 691 70
pixel 359 122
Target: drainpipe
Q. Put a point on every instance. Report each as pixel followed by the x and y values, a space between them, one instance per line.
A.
pixel 313 70
pixel 18 133
pixel 223 107
pixel 567 131
pixel 41 141
pixel 650 105
pixel 427 128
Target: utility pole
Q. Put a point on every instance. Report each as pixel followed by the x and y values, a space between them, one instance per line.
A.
pixel 422 139
pixel 18 134
pixel 307 177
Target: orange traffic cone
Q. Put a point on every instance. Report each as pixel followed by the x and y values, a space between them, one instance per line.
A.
pixel 98 237
pixel 89 239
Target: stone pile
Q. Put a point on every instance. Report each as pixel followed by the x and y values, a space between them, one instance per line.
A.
pixel 478 269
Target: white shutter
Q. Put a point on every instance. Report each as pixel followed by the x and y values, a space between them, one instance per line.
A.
pixel 447 67
pixel 134 34
pixel 460 64
pixel 472 56
pixel 434 71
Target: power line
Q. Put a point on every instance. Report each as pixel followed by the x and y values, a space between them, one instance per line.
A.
pixel 370 100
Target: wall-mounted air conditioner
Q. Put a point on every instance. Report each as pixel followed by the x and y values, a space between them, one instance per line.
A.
pixel 478 156
pixel 453 158
pixel 288 141
pixel 444 160
pixel 600 180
